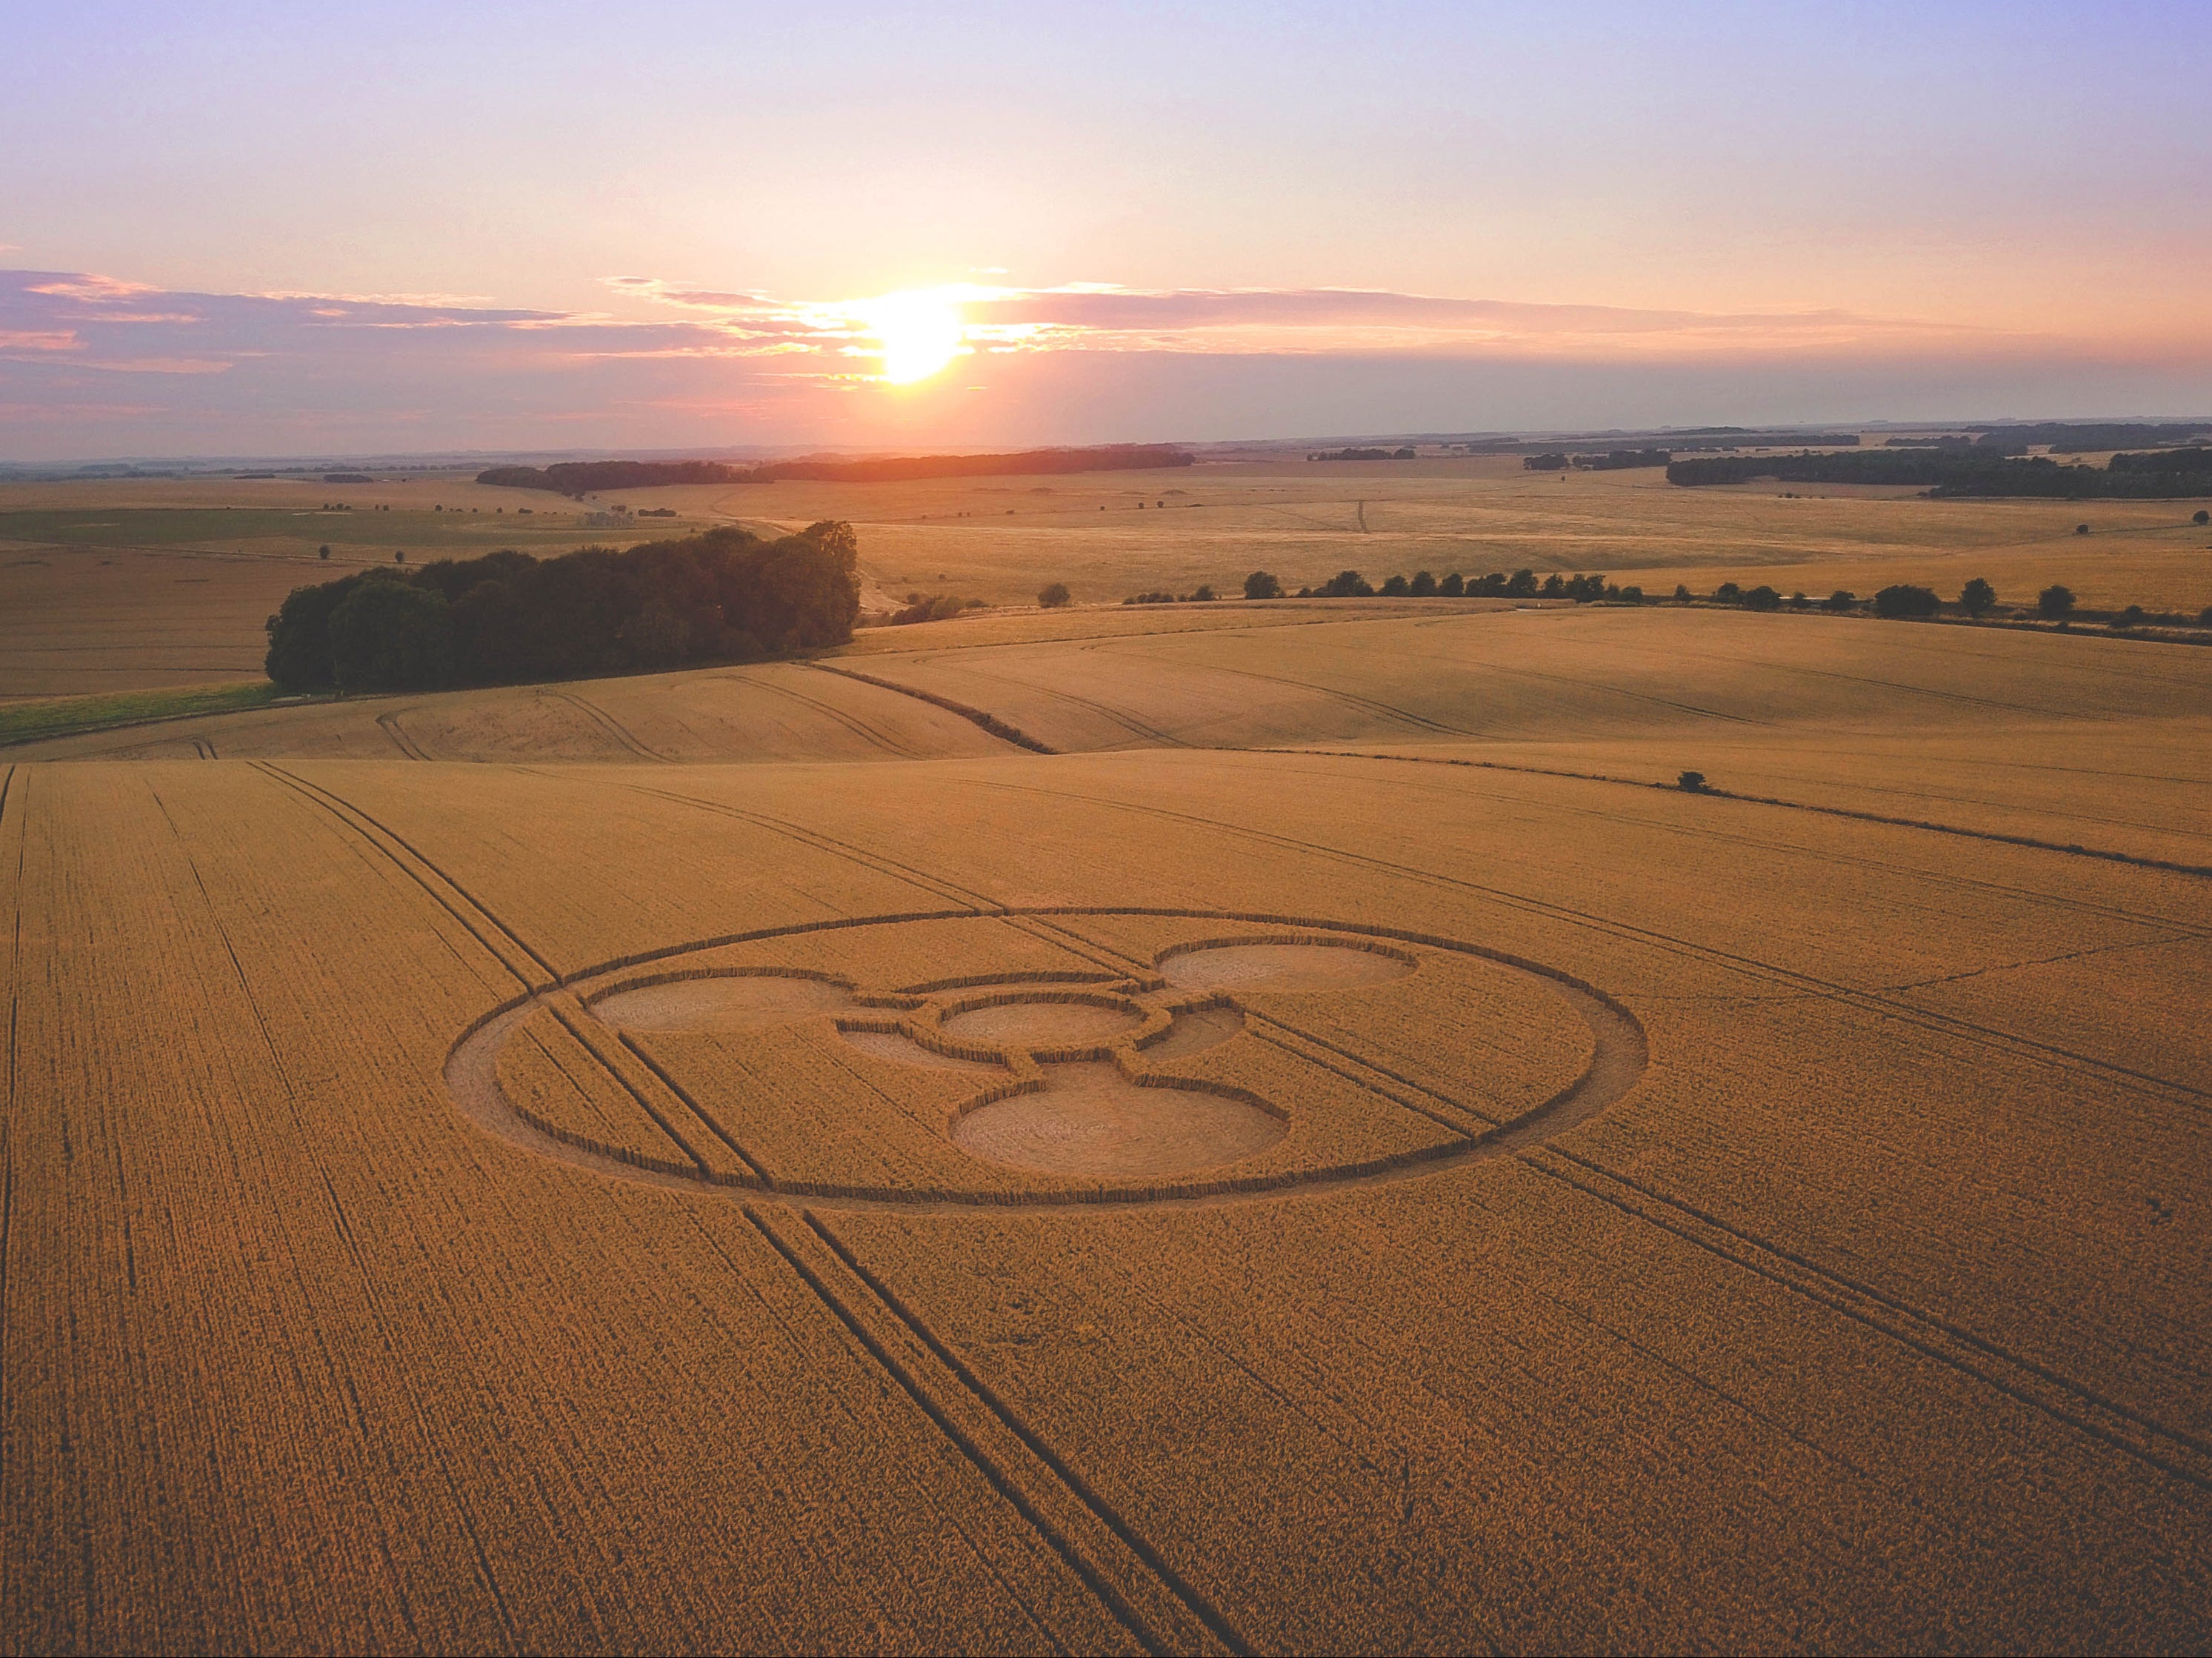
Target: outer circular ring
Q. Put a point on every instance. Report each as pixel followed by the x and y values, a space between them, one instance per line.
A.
pixel 1618 1059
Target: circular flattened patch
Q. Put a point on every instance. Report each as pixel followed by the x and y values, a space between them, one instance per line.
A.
pixel 734 1003
pixel 1281 967
pixel 1087 1121
pixel 1041 1024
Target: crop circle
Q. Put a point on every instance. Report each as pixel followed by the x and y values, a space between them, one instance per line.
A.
pixel 1138 1075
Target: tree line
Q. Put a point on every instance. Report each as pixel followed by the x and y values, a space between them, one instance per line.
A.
pixel 726 596
pixel 1953 473
pixel 583 478
pixel 1612 460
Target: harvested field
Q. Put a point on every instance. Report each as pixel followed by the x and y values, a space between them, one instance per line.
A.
pixel 1333 1159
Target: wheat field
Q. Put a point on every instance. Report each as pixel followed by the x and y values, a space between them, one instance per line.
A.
pixel 129 584
pixel 1326 1148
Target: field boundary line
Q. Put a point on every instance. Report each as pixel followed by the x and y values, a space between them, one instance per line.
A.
pixel 2058 1058
pixel 338 805
pixel 1933 1338
pixel 2071 849
pixel 990 722
pixel 907 1360
pixel 1194 1604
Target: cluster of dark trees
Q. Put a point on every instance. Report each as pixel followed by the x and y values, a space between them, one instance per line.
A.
pixel 2189 462
pixel 725 596
pixel 1425 584
pixel 1990 443
pixel 1951 473
pixel 942 608
pixel 1614 460
pixel 583 478
pixel 1362 454
pixel 1704 439
pixel 1201 595
pixel 2075 437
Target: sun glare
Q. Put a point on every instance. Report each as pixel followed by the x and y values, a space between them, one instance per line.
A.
pixel 918 332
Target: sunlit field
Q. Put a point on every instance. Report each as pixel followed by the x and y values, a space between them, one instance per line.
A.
pixel 143 583
pixel 1225 1128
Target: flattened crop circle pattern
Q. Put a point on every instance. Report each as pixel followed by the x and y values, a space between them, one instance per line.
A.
pixel 1065 1089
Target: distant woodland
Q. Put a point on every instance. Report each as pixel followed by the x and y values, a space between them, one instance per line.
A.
pixel 2150 475
pixel 1612 460
pixel 726 596
pixel 582 478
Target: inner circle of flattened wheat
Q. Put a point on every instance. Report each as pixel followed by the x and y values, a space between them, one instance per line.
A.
pixel 1075 1090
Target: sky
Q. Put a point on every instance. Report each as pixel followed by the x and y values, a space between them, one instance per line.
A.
pixel 243 229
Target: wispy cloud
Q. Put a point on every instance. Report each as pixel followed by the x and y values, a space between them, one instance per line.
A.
pixel 670 361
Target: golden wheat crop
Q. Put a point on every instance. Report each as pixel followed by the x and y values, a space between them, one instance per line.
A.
pixel 522 1206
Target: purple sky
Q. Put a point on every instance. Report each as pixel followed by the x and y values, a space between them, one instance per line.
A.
pixel 253 229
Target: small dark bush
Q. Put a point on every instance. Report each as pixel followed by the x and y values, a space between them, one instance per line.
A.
pixel 1452 586
pixel 2081 529
pixel 1396 587
pixel 2055 603
pixel 1762 598
pixel 2201 516
pixel 1726 594
pixel 1842 599
pixel 1053 597
pixel 1977 597
pixel 1424 585
pixel 1691 782
pixel 2130 617
pixel 1260 585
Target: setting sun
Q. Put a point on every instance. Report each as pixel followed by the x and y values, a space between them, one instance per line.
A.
pixel 919 332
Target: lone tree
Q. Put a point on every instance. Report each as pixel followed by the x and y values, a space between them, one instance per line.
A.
pixel 1976 597
pixel 2201 516
pixel 1054 596
pixel 1691 782
pixel 2055 603
pixel 1260 585
pixel 1904 600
